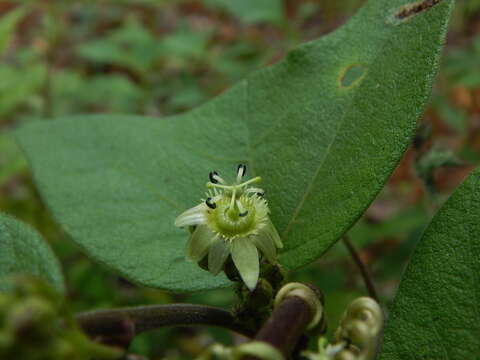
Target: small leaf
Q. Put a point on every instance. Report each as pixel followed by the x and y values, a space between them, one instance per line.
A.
pixel 18 85
pixel 7 26
pixel 435 314
pixel 324 128
pixel 131 46
pixel 23 251
pixel 12 160
pixel 252 11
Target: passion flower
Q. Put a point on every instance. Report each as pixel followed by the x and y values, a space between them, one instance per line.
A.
pixel 232 220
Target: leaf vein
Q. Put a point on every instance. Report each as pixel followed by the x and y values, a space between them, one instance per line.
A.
pixel 314 177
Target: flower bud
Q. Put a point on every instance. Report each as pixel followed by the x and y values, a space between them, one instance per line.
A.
pixel 31 320
pixel 358 332
pixel 262 296
pixel 360 325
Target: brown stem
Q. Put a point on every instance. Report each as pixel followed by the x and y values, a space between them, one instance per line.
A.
pixel 285 326
pixel 367 278
pixel 120 326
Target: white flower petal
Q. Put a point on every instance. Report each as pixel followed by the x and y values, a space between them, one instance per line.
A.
pixel 190 220
pixel 194 216
pixel 245 257
pixel 199 243
pixel 217 255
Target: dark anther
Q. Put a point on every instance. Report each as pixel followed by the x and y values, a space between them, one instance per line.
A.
pixel 210 204
pixel 261 194
pixel 243 214
pixel 243 168
pixel 212 179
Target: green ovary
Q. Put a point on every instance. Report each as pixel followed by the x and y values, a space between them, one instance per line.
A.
pixel 230 224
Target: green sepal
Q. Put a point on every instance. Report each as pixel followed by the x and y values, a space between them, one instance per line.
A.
pixel 266 243
pixel 217 255
pixel 245 258
pixel 199 243
pixel 274 233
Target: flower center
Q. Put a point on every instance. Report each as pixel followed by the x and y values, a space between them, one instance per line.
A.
pixel 233 222
pixel 235 210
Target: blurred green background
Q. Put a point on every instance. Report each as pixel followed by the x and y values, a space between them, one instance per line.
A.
pixel 159 58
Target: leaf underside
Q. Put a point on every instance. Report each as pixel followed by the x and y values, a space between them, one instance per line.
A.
pixel 436 312
pixel 23 251
pixel 323 144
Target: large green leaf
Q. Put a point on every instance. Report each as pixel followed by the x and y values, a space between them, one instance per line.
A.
pixel 324 143
pixel 23 251
pixel 436 313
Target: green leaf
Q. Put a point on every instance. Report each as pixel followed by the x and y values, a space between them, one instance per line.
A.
pixel 252 11
pixel 12 160
pixel 184 43
pixel 131 46
pixel 435 314
pixel 7 26
pixel 23 251
pixel 18 85
pixel 323 145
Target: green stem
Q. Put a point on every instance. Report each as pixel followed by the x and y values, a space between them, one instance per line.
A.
pixel 52 33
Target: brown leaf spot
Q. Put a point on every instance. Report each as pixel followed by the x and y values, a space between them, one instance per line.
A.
pixel 409 10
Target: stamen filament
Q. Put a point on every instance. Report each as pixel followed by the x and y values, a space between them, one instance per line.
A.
pixel 211 185
pixel 234 187
pixel 215 178
pixel 241 170
pixel 219 179
pixel 232 202
pixel 240 207
pixel 251 181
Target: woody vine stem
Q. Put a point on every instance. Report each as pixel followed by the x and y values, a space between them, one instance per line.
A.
pixel 119 326
pixel 282 330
